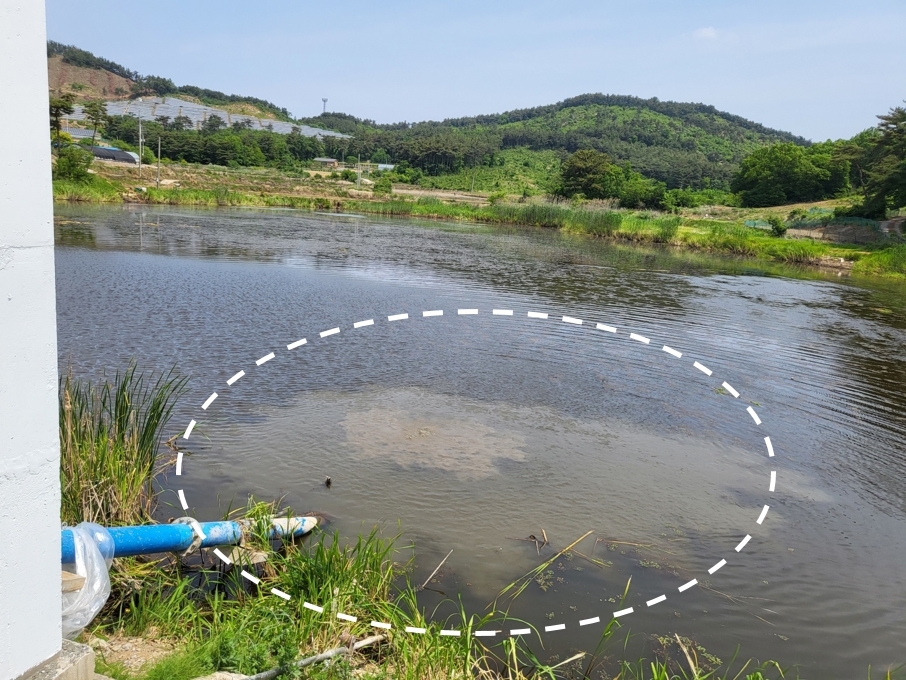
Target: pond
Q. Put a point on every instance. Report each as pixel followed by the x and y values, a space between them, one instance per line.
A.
pixel 471 431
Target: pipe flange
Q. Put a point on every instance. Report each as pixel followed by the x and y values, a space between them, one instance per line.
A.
pixel 197 534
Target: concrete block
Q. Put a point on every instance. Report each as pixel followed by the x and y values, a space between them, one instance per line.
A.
pixel 74 662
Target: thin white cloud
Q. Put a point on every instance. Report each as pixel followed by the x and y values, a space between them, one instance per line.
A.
pixel 706 33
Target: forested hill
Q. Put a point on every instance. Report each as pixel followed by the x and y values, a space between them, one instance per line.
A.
pixel 681 144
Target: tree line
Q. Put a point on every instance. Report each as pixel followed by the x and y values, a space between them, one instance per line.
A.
pixel 697 114
pixel 216 143
pixel 590 174
pixel 871 165
pixel 79 57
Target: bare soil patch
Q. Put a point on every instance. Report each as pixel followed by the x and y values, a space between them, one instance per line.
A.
pixel 97 84
pixel 133 653
pixel 443 195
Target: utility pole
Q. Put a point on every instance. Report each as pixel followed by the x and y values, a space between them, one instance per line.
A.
pixel 158 162
pixel 358 165
pixel 140 140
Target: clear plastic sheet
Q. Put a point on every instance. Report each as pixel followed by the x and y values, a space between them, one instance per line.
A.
pixel 93 556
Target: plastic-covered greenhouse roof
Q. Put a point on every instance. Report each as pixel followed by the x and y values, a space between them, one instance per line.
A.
pixel 149 108
pixel 109 154
pixel 79 133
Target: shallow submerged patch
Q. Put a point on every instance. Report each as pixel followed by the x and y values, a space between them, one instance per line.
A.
pixel 418 429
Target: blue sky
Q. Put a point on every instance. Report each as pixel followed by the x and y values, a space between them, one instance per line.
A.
pixel 821 69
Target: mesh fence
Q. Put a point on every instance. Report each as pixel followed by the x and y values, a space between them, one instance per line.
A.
pixel 831 220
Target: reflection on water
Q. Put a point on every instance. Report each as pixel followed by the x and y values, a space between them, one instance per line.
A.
pixel 473 431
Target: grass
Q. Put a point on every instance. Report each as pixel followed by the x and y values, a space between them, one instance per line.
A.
pixel 549 215
pixel 888 262
pixel 735 239
pixel 109 439
pixel 182 665
pixel 223 197
pixel 99 190
pixel 227 624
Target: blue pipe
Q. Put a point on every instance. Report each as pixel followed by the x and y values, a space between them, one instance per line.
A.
pixel 161 538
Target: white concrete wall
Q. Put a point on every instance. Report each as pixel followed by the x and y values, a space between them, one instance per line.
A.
pixel 29 447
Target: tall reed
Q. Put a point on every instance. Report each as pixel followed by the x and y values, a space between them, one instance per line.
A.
pixel 109 439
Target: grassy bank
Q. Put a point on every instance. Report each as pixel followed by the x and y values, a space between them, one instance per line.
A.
pixel 719 230
pixel 721 237
pixel 99 190
pixel 229 624
pixel 886 262
pixel 102 191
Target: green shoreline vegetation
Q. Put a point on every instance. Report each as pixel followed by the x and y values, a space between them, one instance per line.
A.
pixel 215 620
pixel 584 218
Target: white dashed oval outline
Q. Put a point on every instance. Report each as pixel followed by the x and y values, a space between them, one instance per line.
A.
pixel 483 633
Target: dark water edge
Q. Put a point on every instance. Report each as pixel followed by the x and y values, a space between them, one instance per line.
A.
pixel 531 426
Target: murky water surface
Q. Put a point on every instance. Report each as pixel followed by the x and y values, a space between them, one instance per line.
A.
pixel 472 431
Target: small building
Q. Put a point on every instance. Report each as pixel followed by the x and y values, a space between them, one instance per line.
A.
pixel 332 163
pixel 385 166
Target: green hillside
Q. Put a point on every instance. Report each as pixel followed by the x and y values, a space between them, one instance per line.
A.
pixel 515 171
pixel 681 149
pixel 680 144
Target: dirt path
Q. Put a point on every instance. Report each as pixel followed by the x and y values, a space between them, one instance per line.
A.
pixel 452 196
